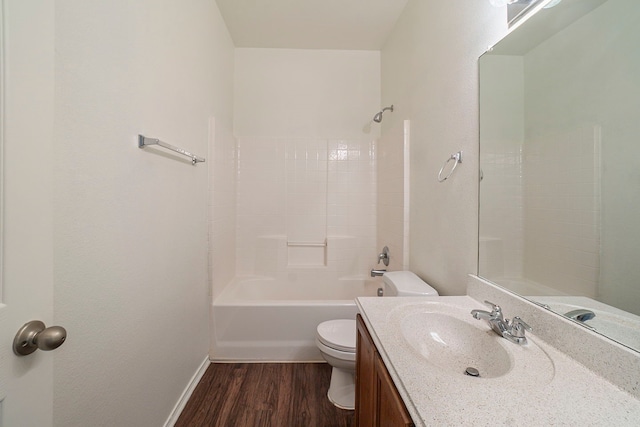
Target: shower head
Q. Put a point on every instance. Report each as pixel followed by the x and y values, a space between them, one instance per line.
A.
pixel 378 117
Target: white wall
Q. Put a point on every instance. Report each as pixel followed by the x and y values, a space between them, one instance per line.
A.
pixel 222 166
pixel 430 73
pixel 130 225
pixel 306 168
pixel 331 94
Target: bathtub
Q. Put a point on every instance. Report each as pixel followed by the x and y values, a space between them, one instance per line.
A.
pixel 262 319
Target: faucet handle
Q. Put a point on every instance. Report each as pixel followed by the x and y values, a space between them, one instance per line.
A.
pixel 384 256
pixel 495 309
pixel 518 326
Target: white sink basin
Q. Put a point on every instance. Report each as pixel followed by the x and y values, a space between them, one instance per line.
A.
pixel 445 340
pixel 453 345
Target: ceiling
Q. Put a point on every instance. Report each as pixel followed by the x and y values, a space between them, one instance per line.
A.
pixel 311 24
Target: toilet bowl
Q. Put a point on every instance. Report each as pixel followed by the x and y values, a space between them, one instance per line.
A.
pixel 336 339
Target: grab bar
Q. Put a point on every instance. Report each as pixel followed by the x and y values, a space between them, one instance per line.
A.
pixel 143 141
pixel 308 244
pixel 458 159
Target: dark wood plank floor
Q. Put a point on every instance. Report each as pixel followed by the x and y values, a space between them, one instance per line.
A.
pixel 264 394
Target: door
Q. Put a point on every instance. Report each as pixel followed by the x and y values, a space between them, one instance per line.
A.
pixel 26 283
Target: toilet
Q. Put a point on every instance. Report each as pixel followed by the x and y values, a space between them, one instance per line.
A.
pixel 336 339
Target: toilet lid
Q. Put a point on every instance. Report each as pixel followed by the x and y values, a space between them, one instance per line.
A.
pixel 339 334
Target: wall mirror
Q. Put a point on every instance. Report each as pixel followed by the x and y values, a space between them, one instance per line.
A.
pixel 560 163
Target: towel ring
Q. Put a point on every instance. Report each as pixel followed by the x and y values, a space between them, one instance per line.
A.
pixel 457 157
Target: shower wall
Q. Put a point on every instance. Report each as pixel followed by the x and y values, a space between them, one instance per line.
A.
pixel 306 189
pixel 222 167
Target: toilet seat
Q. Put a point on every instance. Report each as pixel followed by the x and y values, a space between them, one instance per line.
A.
pixel 339 334
pixel 344 356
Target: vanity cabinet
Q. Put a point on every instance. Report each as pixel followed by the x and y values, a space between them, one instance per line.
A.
pixel 378 403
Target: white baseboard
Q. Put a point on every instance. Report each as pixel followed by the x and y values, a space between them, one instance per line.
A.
pixel 186 394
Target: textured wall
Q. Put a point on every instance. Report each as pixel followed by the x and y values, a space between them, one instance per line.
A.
pixel 130 225
pixel 306 93
pixel 430 73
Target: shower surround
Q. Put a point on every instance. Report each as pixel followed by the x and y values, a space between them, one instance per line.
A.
pixel 305 211
pixel 306 146
pixel 306 239
pixel 306 202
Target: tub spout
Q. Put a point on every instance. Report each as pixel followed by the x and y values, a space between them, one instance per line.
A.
pixel 375 273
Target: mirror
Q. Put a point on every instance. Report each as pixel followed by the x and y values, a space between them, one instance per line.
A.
pixel 560 163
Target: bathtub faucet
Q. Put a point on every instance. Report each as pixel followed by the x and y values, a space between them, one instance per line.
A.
pixel 384 256
pixel 375 273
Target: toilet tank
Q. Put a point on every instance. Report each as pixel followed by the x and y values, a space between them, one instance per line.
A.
pixel 406 284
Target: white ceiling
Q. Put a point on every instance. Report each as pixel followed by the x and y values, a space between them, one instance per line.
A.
pixel 311 24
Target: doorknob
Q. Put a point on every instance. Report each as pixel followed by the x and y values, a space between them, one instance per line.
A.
pixel 34 335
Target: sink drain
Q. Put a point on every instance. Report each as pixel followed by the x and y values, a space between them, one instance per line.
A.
pixel 472 372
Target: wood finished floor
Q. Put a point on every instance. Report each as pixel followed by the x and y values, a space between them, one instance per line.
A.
pixel 264 394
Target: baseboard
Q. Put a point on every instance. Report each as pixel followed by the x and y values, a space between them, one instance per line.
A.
pixel 266 351
pixel 186 394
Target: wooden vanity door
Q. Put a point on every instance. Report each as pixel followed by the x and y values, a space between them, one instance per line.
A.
pixel 365 377
pixel 378 403
pixel 390 408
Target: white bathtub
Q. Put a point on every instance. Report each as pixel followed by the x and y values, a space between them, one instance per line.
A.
pixel 258 319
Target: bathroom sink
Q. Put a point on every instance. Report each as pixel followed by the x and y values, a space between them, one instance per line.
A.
pixel 454 345
pixel 440 337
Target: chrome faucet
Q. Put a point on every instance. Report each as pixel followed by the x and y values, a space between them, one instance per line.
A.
pixel 581 314
pixel 375 273
pixel 384 256
pixel 513 330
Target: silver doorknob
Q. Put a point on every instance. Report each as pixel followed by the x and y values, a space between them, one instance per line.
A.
pixel 34 335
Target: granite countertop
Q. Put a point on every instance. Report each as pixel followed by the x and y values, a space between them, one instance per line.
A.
pixel 617 324
pixel 544 387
